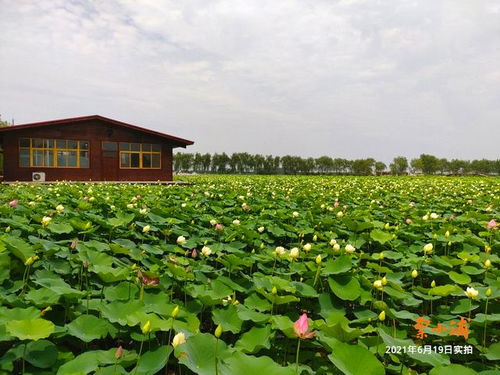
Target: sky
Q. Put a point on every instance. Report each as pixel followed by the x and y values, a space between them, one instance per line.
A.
pixel 343 78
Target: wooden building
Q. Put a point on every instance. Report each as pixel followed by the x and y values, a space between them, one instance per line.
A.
pixel 91 148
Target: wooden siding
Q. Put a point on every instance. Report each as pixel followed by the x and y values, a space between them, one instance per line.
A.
pixel 94 131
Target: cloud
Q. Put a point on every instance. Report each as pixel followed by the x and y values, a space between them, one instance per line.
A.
pixel 342 78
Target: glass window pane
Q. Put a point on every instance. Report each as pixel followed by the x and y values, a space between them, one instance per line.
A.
pixel 72 159
pixel 146 160
pixel 109 146
pixel 135 147
pixel 156 147
pixel 84 159
pixel 124 146
pixel 24 157
pixel 49 158
pixel 125 160
pixel 84 145
pixel 49 143
pixel 37 158
pixel 61 143
pixel 62 158
pixel 146 147
pixel 24 142
pixel 38 143
pixel 134 160
pixel 156 161
pixel 72 145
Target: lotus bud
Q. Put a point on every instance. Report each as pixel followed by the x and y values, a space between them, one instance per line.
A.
pixel 428 248
pixel 146 328
pixel 487 263
pixel 318 259
pixel 488 292
pixel 414 273
pixel 381 256
pixel 218 331
pixel 274 290
pixel 433 284
pixel 175 312
pixel 384 280
pixel 447 234
pixel 119 352
pixel 381 316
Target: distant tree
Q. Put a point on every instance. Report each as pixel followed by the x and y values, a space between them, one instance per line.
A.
pixel 430 164
pixel 443 165
pixel 416 165
pixel 4 124
pixel 399 165
pixel 380 167
pixel 457 166
pixel 206 161
pixel 243 163
pixel 324 164
pixel 363 167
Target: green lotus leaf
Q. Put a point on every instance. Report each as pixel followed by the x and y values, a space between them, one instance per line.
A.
pixel 30 329
pixel 345 287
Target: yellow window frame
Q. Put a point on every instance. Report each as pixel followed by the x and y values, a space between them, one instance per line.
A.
pixel 54 150
pixel 141 154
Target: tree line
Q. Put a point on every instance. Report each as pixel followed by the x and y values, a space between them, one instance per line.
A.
pixel 245 163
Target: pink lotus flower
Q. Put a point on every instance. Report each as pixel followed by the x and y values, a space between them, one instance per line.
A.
pixel 13 203
pixel 336 204
pixel 219 227
pixel 194 253
pixel 492 224
pixel 119 352
pixel 301 328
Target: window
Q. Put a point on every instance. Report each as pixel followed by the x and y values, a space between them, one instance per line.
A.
pixel 109 149
pixel 53 153
pixel 140 156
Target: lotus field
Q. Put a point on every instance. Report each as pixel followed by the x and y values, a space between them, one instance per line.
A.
pixel 251 275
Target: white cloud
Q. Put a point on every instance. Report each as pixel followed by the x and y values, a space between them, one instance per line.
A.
pixel 270 77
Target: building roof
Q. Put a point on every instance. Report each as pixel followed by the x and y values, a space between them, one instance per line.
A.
pixel 176 140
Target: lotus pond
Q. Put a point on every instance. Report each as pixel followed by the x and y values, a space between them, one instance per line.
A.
pixel 251 275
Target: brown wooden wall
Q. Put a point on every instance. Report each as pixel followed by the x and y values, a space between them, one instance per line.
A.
pixel 95 132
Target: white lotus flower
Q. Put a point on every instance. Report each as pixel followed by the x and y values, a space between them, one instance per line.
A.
pixel 206 251
pixel 471 292
pixel 350 249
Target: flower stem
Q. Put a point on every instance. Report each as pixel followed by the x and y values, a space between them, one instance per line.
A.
pixel 485 321
pixel 139 357
pixel 297 357
pixel 216 359
pixel 24 355
pixel 317 275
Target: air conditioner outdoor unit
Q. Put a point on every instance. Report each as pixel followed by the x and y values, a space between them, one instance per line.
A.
pixel 38 176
